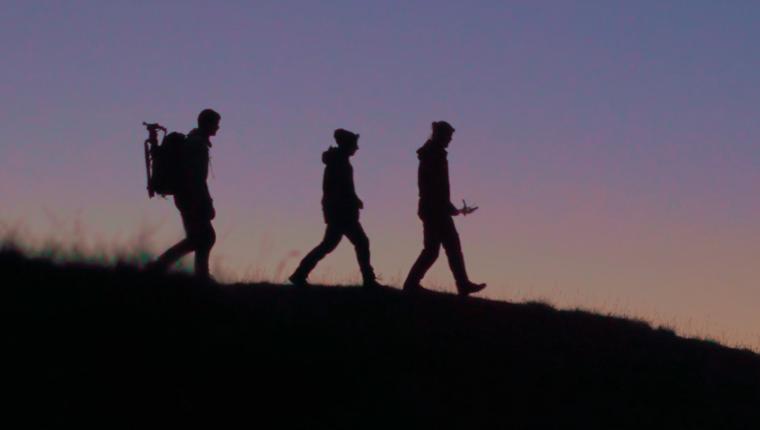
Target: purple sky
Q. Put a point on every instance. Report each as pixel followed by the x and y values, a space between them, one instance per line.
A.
pixel 612 146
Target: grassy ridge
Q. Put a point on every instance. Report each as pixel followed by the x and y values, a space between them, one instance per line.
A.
pixel 117 346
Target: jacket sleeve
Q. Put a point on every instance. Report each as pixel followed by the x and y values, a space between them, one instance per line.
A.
pixel 345 192
pixel 440 185
pixel 446 186
pixel 350 187
pixel 195 166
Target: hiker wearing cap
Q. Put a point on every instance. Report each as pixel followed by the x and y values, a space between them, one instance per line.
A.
pixel 193 200
pixel 436 212
pixel 340 207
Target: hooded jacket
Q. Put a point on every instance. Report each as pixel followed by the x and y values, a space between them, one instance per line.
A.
pixel 433 182
pixel 339 199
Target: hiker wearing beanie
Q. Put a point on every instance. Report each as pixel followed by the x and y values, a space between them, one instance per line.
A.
pixel 436 212
pixel 340 207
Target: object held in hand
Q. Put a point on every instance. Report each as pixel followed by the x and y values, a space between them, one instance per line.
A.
pixel 466 210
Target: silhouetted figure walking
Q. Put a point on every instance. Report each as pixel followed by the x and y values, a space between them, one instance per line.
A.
pixel 436 212
pixel 193 199
pixel 340 206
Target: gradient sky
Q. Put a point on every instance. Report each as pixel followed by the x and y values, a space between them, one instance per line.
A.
pixel 613 147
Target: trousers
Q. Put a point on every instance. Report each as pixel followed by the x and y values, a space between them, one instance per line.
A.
pixel 199 238
pixel 438 231
pixel 334 232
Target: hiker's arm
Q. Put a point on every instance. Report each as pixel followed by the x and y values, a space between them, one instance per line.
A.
pixel 197 188
pixel 207 203
pixel 350 188
pixel 443 188
pixel 446 188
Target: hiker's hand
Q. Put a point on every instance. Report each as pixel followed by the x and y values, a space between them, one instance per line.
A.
pixel 361 203
pixel 466 210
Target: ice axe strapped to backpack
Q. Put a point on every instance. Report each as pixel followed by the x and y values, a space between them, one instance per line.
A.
pixel 163 161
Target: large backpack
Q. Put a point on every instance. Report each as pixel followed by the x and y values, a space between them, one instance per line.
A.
pixel 166 163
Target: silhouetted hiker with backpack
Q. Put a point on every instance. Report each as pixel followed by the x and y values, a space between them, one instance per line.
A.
pixel 436 212
pixel 186 171
pixel 340 206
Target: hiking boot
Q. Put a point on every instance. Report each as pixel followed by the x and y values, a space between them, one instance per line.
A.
pixel 298 281
pixel 469 288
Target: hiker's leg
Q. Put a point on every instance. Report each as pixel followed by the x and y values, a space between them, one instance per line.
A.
pixel 333 235
pixel 355 233
pixel 432 246
pixel 180 249
pixel 206 240
pixel 201 235
pixel 173 254
pixel 453 248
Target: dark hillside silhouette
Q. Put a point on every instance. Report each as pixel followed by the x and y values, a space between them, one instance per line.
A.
pixel 119 347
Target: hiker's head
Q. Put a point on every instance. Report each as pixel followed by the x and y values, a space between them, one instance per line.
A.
pixel 208 121
pixel 442 133
pixel 346 140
